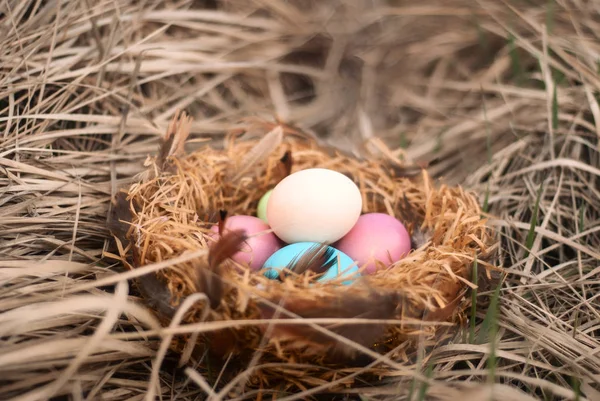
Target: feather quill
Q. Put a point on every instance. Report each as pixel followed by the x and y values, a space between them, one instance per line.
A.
pixel 222 218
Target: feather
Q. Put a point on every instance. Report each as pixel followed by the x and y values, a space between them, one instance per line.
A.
pixel 407 171
pixel 209 276
pixel 317 259
pixel 372 306
pixel 157 294
pixel 260 151
pixel 285 164
pixel 487 279
pixel 172 143
pixel 119 217
pixel 153 290
pixel 407 211
pixel 419 237
pixel 228 245
pixel 444 313
pixel 164 148
pixel 222 218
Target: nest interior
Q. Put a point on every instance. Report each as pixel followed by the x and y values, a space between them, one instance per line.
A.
pixel 169 211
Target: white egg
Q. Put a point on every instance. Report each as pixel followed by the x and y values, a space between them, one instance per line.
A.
pixel 314 205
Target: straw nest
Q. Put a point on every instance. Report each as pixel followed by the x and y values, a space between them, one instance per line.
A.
pixel 169 211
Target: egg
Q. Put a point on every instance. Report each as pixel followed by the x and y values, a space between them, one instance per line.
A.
pixel 258 247
pixel 314 205
pixel 376 236
pixel 261 211
pixel 343 265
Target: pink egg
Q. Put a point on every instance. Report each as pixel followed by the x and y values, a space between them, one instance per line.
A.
pixel 375 236
pixel 260 245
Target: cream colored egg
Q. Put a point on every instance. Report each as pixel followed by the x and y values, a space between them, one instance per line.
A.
pixel 314 205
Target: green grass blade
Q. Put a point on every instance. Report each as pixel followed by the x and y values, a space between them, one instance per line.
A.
pixel 582 218
pixel 490 318
pixel 439 143
pixel 492 326
pixel 486 200
pixel 576 323
pixel 534 219
pixel 550 9
pixel 473 304
pixel 515 60
pixel 425 385
pixel 555 107
pixel 403 140
pixel 488 137
pixel 576 383
pixel 411 390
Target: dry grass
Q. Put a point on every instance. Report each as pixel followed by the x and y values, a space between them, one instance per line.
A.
pixel 501 96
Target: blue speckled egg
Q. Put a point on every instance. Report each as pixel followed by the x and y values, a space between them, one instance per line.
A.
pixel 342 264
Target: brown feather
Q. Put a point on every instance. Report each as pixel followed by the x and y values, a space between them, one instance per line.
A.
pixel 285 164
pixel 119 216
pixel 209 277
pixel 172 143
pixel 228 245
pixel 373 306
pixel 157 294
pixel 136 257
pixel 316 259
pixel 407 211
pixel 418 237
pixel 164 148
pixel 153 290
pixel 222 218
pixel 442 314
pixel 407 171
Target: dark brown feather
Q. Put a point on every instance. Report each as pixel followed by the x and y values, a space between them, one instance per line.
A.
pixel 222 218
pixel 285 164
pixel 408 215
pixel 154 291
pixel 136 257
pixel 228 245
pixel 119 217
pixel 442 314
pixel 407 171
pixel 407 211
pixel 316 259
pixel 157 294
pixel 164 150
pixel 372 306
pixel 173 141
pixel 209 277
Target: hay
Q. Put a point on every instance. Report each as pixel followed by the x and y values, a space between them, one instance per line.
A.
pixel 494 96
pixel 171 209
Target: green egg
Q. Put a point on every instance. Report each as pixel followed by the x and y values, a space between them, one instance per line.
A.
pixel 261 213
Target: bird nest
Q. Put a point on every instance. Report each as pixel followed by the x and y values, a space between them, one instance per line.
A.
pixel 167 214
